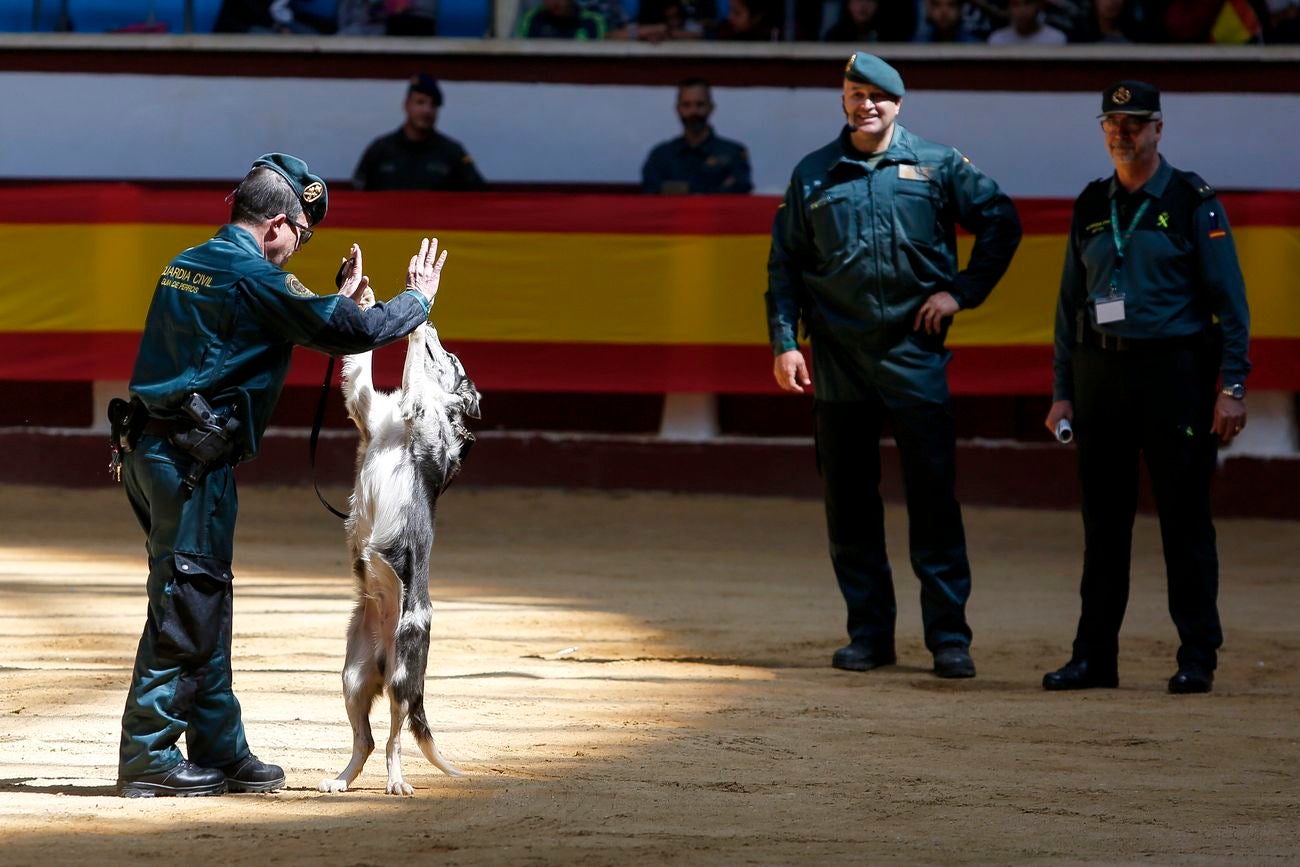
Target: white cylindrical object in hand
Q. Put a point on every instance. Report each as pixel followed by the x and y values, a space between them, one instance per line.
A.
pixel 1064 433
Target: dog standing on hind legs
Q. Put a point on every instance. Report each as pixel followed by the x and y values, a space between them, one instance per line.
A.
pixel 412 445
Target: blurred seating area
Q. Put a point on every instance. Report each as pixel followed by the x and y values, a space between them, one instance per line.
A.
pixel 860 22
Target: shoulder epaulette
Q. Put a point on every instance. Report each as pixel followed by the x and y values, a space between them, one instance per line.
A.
pixel 1203 189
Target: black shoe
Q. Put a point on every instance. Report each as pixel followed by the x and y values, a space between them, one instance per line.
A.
pixel 953 662
pixel 1190 679
pixel 858 657
pixel 185 780
pixel 1081 674
pixel 253 775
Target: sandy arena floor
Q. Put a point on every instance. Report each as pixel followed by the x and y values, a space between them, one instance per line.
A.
pixel 698 721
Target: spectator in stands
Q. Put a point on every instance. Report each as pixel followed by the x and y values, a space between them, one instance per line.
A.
pixel 874 21
pixel 662 20
pixel 944 23
pixel 864 258
pixel 698 160
pixel 1110 22
pixel 1283 21
pixel 410 17
pixel 561 19
pixel 750 21
pixel 361 18
pixel 259 16
pixel 982 17
pixel 1027 26
pixel 612 12
pixel 1071 17
pixel 417 156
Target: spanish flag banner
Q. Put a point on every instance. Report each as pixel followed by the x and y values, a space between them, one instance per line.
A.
pixel 547 292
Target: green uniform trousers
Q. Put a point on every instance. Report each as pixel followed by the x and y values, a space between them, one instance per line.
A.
pixel 181 684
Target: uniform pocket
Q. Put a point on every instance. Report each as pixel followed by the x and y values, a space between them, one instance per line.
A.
pixel 833 221
pixel 196 607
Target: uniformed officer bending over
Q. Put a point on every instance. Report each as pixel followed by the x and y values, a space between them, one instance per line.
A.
pixel 864 253
pixel 698 160
pixel 416 156
pixel 1149 266
pixel 220 331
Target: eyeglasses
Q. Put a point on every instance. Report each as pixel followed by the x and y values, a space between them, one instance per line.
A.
pixel 1126 125
pixel 304 234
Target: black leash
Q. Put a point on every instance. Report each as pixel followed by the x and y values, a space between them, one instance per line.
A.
pixel 315 435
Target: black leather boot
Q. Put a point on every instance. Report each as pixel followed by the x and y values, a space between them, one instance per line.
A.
pixel 251 774
pixel 185 780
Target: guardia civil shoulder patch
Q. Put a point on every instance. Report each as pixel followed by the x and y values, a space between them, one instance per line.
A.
pixel 294 286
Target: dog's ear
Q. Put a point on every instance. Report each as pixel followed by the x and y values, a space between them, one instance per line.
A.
pixel 469 397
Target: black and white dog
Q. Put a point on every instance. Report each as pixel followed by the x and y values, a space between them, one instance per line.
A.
pixel 412 446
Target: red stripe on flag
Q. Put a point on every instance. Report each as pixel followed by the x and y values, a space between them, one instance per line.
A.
pixel 77 203
pixel 597 367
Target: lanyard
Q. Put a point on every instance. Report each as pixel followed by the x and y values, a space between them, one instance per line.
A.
pixel 1122 238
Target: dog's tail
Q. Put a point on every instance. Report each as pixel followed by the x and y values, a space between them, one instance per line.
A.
pixel 420 729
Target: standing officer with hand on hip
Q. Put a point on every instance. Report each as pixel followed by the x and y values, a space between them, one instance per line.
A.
pixel 1150 265
pixel 213 358
pixel 864 253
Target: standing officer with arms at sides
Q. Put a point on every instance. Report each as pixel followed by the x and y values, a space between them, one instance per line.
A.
pixel 864 253
pixel 213 358
pixel 1150 265
pixel 416 156
pixel 698 160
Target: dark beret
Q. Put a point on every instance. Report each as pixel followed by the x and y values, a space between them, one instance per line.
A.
pixel 868 69
pixel 309 188
pixel 426 84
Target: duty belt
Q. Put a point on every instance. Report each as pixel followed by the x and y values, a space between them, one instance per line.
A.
pixel 1093 336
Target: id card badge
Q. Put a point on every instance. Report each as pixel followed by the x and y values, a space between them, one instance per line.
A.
pixel 1110 310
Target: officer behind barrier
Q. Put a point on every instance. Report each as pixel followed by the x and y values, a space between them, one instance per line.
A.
pixel 1141 368
pixel 416 156
pixel 213 357
pixel 864 254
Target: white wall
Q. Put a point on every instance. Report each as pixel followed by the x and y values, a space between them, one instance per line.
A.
pixel 1036 144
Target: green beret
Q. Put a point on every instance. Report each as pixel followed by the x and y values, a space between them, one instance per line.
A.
pixel 309 188
pixel 870 69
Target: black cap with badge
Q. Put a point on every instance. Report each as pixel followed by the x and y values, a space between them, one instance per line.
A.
pixel 309 188
pixel 1131 97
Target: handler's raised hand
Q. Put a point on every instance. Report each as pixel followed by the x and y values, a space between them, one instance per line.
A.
pixel 425 269
pixel 352 283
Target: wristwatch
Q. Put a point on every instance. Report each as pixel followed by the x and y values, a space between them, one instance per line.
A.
pixel 1236 391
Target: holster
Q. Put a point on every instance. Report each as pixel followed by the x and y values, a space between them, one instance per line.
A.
pixel 209 440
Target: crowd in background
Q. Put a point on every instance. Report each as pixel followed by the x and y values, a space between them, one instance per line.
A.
pixel 996 22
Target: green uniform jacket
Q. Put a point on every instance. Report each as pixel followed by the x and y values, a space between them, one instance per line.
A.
pixel 1180 270
pixel 224 321
pixel 856 251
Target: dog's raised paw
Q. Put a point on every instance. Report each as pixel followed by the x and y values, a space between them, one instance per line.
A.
pixel 333 785
pixel 400 787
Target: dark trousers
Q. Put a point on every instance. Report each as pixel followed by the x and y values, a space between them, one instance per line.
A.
pixel 181 682
pixel 1159 404
pixel 848 457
